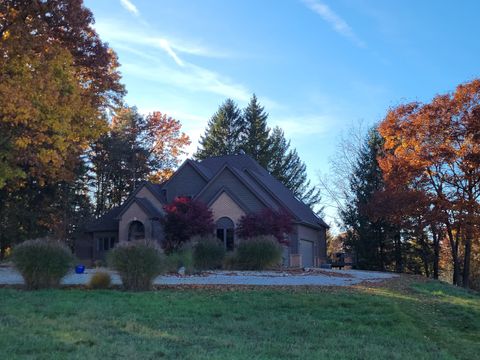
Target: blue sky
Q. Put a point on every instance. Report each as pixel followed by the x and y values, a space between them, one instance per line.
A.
pixel 317 66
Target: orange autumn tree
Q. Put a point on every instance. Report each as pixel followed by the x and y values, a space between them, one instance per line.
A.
pixel 435 148
pixel 167 144
pixel 136 148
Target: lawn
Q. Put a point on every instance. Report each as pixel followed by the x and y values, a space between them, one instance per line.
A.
pixel 404 320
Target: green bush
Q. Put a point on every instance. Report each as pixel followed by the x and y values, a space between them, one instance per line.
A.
pixel 42 263
pixel 208 253
pixel 258 253
pixel 177 259
pixel 137 263
pixel 230 261
pixel 100 280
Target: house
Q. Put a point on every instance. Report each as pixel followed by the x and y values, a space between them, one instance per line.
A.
pixel 231 186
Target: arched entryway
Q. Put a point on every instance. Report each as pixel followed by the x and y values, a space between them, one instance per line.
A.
pixel 136 231
pixel 226 232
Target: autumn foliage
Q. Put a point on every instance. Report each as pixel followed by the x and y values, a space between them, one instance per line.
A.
pixel 266 222
pixel 434 149
pixel 185 218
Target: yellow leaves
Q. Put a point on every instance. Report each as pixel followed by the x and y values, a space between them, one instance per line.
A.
pixel 48 119
pixel 5 35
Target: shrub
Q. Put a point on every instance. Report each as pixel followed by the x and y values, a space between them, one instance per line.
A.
pixel 137 263
pixel 185 218
pixel 258 253
pixel 265 222
pixel 208 253
pixel 42 263
pixel 181 257
pixel 230 261
pixel 100 280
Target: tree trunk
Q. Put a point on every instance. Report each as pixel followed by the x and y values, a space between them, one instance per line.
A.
pixel 454 250
pixel 436 253
pixel 466 261
pixel 398 253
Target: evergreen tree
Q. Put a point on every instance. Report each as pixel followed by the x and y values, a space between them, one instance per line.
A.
pixel 285 164
pixel 370 239
pixel 255 134
pixel 222 136
pixel 231 132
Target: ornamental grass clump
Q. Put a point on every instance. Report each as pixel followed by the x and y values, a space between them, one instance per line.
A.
pixel 137 263
pixel 208 253
pixel 258 253
pixel 100 280
pixel 42 263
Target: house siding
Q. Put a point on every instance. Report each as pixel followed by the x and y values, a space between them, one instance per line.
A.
pixel 317 236
pixel 223 206
pixel 144 192
pixel 133 213
pixel 229 181
pixel 187 182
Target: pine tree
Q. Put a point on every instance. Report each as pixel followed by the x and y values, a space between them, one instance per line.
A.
pixel 370 239
pixel 231 132
pixel 285 164
pixel 223 132
pixel 255 134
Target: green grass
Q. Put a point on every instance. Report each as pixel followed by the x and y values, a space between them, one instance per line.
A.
pixel 408 321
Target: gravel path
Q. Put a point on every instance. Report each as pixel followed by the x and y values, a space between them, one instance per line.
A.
pixel 9 276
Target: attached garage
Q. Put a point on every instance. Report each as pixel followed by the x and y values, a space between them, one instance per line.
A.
pixel 307 251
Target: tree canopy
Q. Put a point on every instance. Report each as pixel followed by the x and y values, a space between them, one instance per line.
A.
pixel 231 131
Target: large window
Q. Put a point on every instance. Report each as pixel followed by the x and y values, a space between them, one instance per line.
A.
pixel 136 231
pixel 105 243
pixel 226 232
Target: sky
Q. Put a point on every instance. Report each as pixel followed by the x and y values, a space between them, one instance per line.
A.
pixel 318 67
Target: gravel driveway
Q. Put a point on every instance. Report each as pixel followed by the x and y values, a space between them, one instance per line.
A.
pixel 9 276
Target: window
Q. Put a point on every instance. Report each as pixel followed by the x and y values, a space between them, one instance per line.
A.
pixel 136 231
pixel 112 242
pixel 105 244
pixel 226 232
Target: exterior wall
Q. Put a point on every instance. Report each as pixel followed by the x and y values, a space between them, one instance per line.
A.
pixel 230 181
pixel 133 213
pixel 146 193
pixel 186 182
pixel 318 236
pixel 224 205
pixel 99 251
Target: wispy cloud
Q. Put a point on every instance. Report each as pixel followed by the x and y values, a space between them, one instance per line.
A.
pixel 336 22
pixel 130 7
pixel 153 66
pixel 305 125
pixel 115 32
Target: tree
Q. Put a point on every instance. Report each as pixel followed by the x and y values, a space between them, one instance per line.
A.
pixel 370 238
pixel 255 133
pixel 231 132
pixel 57 78
pixel 266 222
pixel 185 218
pixel 435 147
pixel 223 132
pixel 31 27
pixel 285 164
pixel 135 149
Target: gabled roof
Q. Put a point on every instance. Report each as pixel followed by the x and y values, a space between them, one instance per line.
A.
pixel 259 181
pixel 108 222
pixel 152 211
pixel 262 181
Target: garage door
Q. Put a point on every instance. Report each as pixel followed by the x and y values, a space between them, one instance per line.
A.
pixel 306 250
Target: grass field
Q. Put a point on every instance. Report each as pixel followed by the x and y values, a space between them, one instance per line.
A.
pixel 404 320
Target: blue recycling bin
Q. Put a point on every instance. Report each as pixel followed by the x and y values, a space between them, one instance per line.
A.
pixel 79 269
